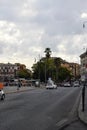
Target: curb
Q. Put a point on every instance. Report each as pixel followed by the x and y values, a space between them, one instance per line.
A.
pixel 17 91
pixel 66 121
pixel 81 114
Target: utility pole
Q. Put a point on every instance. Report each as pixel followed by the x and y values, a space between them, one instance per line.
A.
pixel 83 89
pixel 45 73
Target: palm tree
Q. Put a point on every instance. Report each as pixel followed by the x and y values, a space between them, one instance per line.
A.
pixel 47 52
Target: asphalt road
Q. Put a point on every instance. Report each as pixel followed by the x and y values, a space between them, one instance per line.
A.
pixel 38 109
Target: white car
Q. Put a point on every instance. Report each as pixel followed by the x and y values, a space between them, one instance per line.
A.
pixel 67 84
pixel 2 94
pixel 76 84
pixel 53 86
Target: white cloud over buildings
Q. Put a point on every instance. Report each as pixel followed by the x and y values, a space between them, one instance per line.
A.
pixel 28 27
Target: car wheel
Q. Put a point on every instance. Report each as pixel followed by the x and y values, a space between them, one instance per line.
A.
pixel 3 97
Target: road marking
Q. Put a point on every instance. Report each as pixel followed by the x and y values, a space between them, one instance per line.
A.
pixel 76 105
pixel 62 122
pixel 66 121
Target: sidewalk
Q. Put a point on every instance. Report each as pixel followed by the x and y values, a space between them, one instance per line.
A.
pixel 83 114
pixel 13 89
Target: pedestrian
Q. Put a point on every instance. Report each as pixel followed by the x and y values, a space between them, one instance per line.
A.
pixel 19 84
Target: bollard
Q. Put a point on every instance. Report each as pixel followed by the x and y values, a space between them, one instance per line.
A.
pixel 83 98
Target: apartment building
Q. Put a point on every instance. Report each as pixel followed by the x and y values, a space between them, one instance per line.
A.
pixel 83 69
pixel 74 68
pixel 9 71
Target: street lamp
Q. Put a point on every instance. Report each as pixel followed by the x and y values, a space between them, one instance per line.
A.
pixel 85 48
pixel 84 81
pixel 45 73
pixel 39 65
pixel 84 24
pixel 15 72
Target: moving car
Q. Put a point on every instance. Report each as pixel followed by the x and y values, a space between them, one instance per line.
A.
pixel 52 86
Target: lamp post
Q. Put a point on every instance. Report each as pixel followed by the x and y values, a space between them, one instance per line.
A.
pixel 83 89
pixel 85 48
pixel 84 24
pixel 45 73
pixel 15 72
pixel 39 65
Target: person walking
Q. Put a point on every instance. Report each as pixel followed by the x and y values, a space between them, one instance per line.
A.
pixel 19 84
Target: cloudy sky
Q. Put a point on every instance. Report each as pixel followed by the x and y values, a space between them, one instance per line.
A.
pixel 27 27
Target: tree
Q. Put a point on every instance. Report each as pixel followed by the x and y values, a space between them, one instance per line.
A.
pixel 47 55
pixel 44 69
pixel 38 70
pixel 24 74
pixel 64 74
pixel 49 67
pixel 57 63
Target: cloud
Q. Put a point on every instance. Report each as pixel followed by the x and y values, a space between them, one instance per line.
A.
pixel 28 27
pixel 84 15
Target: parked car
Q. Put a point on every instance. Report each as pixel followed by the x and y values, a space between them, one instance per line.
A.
pixel 67 84
pixel 76 84
pixel 2 94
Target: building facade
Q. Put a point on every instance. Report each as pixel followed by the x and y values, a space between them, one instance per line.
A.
pixel 9 71
pixel 74 68
pixel 83 69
